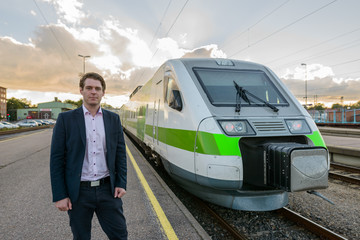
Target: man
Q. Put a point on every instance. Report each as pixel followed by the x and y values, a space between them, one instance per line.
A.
pixel 88 164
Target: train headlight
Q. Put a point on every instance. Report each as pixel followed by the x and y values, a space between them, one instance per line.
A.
pixel 236 128
pixel 298 126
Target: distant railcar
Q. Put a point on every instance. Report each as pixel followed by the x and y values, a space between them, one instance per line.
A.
pixel 229 132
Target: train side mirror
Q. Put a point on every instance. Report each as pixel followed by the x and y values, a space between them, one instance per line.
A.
pixel 175 100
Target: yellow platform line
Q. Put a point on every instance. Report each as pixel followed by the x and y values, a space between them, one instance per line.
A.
pixel 169 231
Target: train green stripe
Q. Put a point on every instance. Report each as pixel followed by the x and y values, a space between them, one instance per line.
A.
pixel 317 139
pixel 206 143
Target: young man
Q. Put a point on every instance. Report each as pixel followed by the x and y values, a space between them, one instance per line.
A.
pixel 88 164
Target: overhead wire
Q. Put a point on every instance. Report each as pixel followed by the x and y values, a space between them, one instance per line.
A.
pixel 172 25
pixel 152 40
pixel 259 21
pixel 283 28
pixel 166 35
pixel 351 61
pixel 322 54
pixel 348 73
pixel 54 35
pixel 162 19
pixel 313 46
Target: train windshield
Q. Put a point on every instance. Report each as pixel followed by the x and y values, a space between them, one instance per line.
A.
pixel 218 85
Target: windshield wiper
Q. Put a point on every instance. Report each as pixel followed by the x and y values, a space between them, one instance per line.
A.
pixel 242 93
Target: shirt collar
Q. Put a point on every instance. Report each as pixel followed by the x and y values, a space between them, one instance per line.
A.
pixel 86 111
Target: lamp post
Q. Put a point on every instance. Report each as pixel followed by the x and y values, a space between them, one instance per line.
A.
pixel 304 64
pixel 83 61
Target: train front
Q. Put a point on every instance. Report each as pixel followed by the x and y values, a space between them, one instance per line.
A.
pixel 258 143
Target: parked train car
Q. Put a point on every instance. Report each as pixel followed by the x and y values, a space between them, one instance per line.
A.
pixel 229 132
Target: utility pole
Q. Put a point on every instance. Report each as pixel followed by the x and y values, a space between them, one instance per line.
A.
pixel 83 61
pixel 304 64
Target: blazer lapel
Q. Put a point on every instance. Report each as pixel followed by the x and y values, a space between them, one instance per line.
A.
pixel 81 123
pixel 107 127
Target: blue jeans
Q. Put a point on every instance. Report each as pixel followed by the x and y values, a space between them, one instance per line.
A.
pixel 108 210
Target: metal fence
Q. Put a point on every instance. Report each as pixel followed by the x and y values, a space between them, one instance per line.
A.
pixel 336 115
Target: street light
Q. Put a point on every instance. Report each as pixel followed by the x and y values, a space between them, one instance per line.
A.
pixel 304 64
pixel 83 61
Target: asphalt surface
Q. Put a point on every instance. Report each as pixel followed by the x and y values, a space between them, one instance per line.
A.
pixel 26 207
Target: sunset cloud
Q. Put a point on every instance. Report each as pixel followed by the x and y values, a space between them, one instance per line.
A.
pixel 40 43
pixel 119 54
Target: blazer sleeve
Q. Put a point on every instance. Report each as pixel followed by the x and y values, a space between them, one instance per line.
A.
pixel 58 160
pixel 120 161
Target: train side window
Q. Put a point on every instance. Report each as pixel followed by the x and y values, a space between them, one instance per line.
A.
pixel 172 94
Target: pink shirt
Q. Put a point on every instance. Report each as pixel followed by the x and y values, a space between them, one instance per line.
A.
pixel 94 166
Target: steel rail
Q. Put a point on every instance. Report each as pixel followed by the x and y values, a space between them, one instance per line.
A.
pixel 344 178
pixel 310 225
pixel 230 229
pixel 345 167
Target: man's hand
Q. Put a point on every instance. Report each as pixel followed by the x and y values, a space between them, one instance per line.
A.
pixel 64 204
pixel 119 192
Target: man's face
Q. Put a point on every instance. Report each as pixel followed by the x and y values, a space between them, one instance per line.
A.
pixel 92 92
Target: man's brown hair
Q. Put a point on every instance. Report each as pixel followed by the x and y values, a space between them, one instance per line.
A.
pixel 94 76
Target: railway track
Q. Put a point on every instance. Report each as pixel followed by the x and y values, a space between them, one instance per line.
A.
pixel 228 227
pixel 345 173
pixel 309 224
pixel 306 223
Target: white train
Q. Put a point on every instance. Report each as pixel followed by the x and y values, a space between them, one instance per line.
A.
pixel 229 132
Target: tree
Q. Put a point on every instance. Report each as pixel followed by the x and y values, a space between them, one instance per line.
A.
pixel 107 106
pixel 13 104
pixel 355 105
pixel 337 106
pixel 346 106
pixel 318 106
pixel 77 103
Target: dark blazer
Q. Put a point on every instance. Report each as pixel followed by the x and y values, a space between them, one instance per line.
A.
pixel 68 151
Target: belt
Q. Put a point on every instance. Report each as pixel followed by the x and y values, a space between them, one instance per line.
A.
pixel 95 183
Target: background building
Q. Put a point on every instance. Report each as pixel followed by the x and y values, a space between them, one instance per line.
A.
pixel 2 103
pixel 45 110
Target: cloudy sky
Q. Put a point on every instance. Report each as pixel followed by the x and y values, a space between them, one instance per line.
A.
pixel 40 41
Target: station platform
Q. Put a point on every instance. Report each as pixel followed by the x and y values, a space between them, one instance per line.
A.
pixel 343 145
pixel 351 132
pixel 151 209
pixel 341 137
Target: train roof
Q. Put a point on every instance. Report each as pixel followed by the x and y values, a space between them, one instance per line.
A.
pixel 218 62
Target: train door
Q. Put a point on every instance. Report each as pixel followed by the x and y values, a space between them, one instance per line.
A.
pixel 155 124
